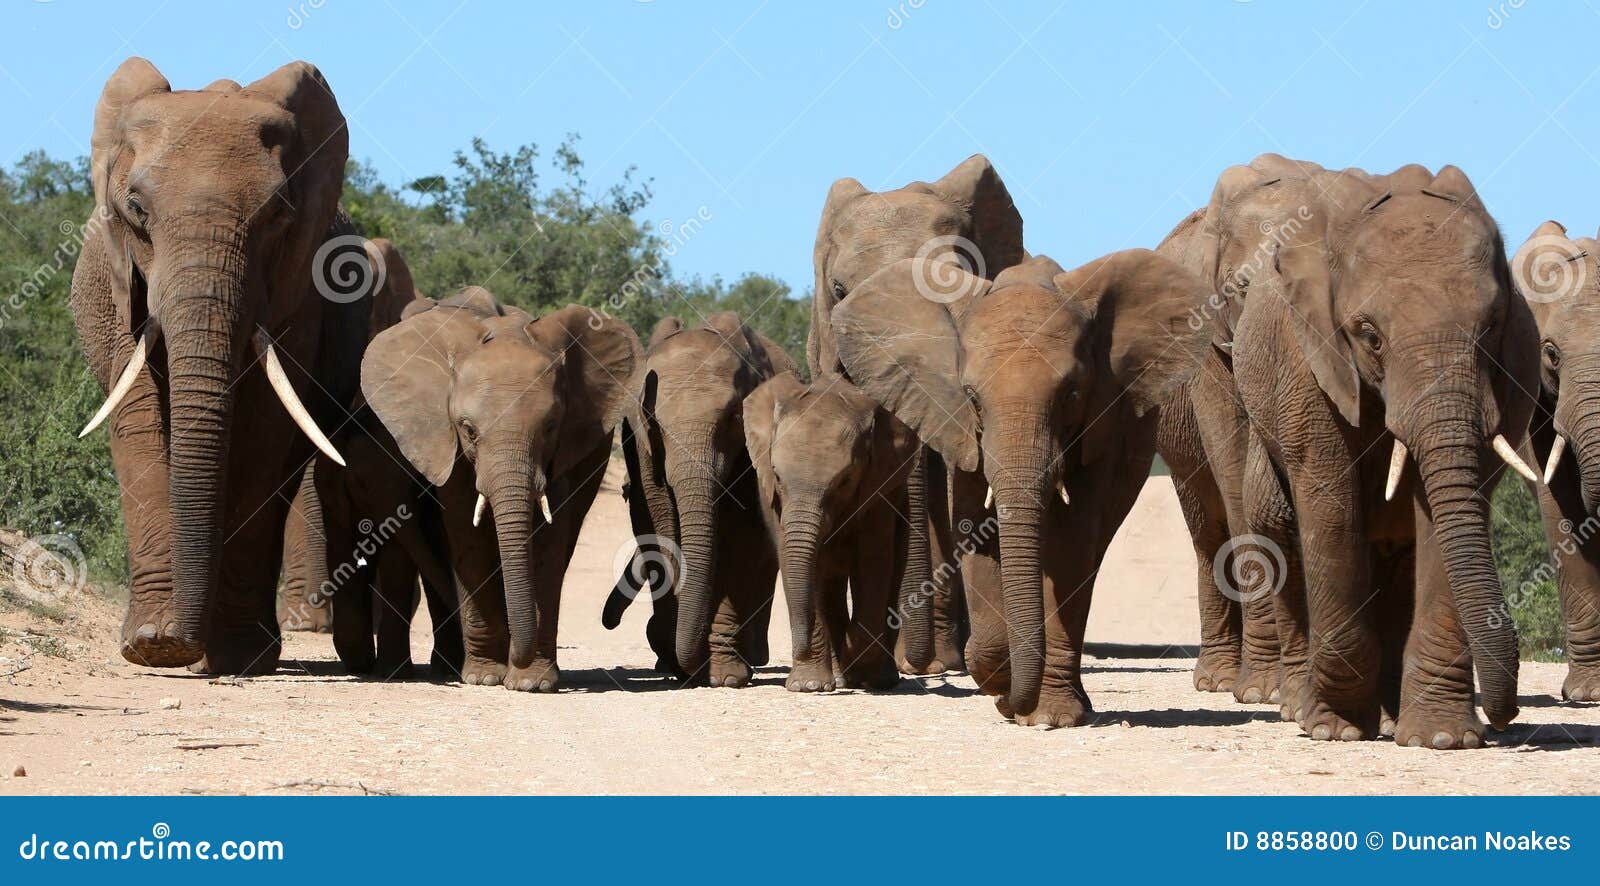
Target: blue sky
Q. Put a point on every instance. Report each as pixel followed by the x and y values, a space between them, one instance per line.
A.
pixel 1109 121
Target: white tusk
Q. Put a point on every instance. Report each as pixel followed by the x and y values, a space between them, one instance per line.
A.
pixel 988 499
pixel 544 508
pixel 1502 447
pixel 123 384
pixel 1065 499
pixel 1557 449
pixel 1397 466
pixel 285 392
pixel 477 509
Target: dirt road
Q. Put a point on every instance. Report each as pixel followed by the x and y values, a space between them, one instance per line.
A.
pixel 80 720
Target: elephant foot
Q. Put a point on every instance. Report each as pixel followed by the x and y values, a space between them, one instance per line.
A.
pixel 1294 693
pixel 1216 670
pixel 161 648
pixel 306 620
pixel 1440 732
pixel 875 675
pixel 393 670
pixel 1057 708
pixel 540 676
pixel 482 672
pixel 730 672
pixel 1256 686
pixel 810 676
pixel 1582 684
pixel 1322 723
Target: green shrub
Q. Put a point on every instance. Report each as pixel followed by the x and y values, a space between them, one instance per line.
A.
pixel 1522 554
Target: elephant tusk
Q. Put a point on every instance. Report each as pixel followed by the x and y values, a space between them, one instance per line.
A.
pixel 988 499
pixel 477 509
pixel 1557 449
pixel 123 384
pixel 1502 447
pixel 544 508
pixel 291 402
pixel 1397 466
pixel 1065 498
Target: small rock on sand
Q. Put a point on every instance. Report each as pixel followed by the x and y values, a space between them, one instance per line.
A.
pixel 171 704
pixel 19 772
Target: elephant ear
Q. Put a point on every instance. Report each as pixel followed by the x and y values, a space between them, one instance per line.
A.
pixel 600 356
pixel 777 356
pixel 1541 267
pixel 405 377
pixel 316 159
pixel 397 294
pixel 1223 224
pixel 1142 306
pixel 821 354
pixel 996 223
pixel 133 80
pixel 760 421
pixel 1302 278
pixel 666 328
pixel 757 352
pixel 901 347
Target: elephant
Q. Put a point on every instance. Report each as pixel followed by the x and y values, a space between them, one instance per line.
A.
pixel 1385 334
pixel 968 219
pixel 1557 278
pixel 300 608
pixel 214 210
pixel 694 504
pixel 833 468
pixel 1040 389
pixel 509 418
pixel 1202 433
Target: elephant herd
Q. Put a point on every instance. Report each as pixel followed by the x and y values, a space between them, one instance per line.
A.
pixel 1336 366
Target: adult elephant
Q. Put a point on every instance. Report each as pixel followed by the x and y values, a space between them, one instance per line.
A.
pixel 379 267
pixel 833 469
pixel 693 501
pixel 1203 430
pixel 1386 334
pixel 1039 389
pixel 511 418
pixel 210 207
pixel 964 220
pixel 1559 277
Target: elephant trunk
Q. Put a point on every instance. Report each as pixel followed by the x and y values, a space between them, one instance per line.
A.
pixel 1020 473
pixel 512 487
pixel 916 586
pixel 200 308
pixel 1449 446
pixel 802 529
pixel 696 534
pixel 1579 414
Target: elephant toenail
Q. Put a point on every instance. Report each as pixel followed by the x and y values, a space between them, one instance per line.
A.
pixel 813 685
pixel 1443 740
pixel 1414 741
pixel 1251 695
pixel 1322 733
pixel 145 632
pixel 1350 733
pixel 1470 740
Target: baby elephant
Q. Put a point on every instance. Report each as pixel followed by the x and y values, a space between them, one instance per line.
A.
pixel 832 468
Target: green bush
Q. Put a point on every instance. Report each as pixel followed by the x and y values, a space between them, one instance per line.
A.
pixel 1522 554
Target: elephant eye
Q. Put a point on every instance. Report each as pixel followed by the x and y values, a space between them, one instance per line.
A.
pixel 1552 354
pixel 838 290
pixel 1369 335
pixel 468 430
pixel 139 215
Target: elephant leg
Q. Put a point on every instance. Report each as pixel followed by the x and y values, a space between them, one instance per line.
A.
pixel 744 612
pixel 475 563
pixel 1436 700
pixel 1269 514
pixel 244 637
pixel 396 604
pixel 948 622
pixel 1341 700
pixel 1577 577
pixel 1259 658
pixel 866 657
pixel 1394 569
pixel 661 631
pixel 814 671
pixel 344 590
pixel 299 609
pixel 1068 589
pixel 988 654
pixel 139 454
pixel 429 557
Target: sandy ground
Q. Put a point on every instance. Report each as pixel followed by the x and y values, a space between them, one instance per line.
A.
pixel 80 720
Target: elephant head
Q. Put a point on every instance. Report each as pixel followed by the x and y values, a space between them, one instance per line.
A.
pixel 821 452
pixel 522 399
pixel 1397 286
pixel 1559 277
pixel 966 218
pixel 1022 378
pixel 211 205
pixel 685 449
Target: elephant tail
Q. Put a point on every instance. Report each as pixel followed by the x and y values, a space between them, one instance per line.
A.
pixel 623 593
